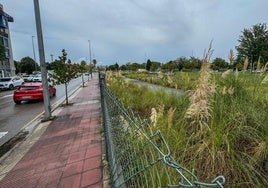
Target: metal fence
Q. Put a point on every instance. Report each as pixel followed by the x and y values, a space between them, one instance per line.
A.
pixel 137 155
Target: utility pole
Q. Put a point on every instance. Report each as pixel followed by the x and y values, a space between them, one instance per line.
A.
pixel 42 62
pixel 90 60
pixel 51 57
pixel 34 53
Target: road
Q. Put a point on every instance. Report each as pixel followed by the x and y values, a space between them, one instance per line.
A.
pixel 13 116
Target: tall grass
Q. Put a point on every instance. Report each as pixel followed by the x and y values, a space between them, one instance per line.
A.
pixel 199 112
pixel 220 129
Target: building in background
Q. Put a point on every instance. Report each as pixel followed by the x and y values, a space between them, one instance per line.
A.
pixel 7 67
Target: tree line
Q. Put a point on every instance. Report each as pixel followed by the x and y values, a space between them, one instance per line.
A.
pixel 253 48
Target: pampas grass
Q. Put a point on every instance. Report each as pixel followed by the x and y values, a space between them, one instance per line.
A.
pixel 198 112
pixel 219 129
pixel 246 62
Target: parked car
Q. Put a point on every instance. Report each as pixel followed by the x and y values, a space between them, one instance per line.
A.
pixel 31 91
pixel 28 78
pixel 10 82
pixel 37 78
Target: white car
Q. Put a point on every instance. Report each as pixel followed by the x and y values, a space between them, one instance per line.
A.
pixel 37 78
pixel 28 78
pixel 10 82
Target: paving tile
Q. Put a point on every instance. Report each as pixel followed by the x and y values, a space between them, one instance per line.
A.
pixel 91 177
pixel 71 181
pixel 73 168
pixel 50 178
pixel 92 163
pixel 93 151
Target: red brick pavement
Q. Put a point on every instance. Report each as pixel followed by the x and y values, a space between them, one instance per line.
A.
pixel 68 154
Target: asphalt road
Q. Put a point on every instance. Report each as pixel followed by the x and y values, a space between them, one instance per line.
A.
pixel 14 117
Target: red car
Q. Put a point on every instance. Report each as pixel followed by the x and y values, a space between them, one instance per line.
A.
pixel 31 91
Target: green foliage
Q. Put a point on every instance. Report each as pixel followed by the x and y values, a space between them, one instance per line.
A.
pixel 83 66
pixel 134 66
pixel 193 64
pixel 219 64
pixel 155 66
pixel 180 62
pixel 27 65
pixel 169 66
pixel 63 70
pixel 236 142
pixel 114 67
pixel 94 61
pixel 148 65
pixel 254 44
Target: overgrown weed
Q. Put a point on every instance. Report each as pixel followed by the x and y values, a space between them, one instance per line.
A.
pixel 222 129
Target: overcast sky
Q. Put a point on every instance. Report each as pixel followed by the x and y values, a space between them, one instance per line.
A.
pixel 132 30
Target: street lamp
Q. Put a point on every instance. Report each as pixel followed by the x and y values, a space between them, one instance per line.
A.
pixel 47 106
pixel 34 53
pixel 51 57
pixel 89 46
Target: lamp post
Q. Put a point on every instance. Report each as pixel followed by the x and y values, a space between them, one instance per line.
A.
pixel 34 53
pixel 89 46
pixel 47 107
pixel 51 55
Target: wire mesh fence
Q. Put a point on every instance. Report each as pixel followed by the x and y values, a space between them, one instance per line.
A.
pixel 137 155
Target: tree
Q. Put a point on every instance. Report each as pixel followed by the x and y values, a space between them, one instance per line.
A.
pixel 193 63
pixel 148 65
pixel 219 64
pixel 169 66
pixel 82 69
pixel 155 65
pixel 17 66
pixel 253 44
pixel 116 66
pixel 134 66
pixel 94 61
pixel 180 62
pixel 123 67
pixel 92 66
pixel 27 65
pixel 64 72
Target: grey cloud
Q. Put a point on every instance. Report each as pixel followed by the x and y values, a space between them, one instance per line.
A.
pixel 133 30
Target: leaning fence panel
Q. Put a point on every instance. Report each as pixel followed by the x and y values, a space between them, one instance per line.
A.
pixel 137 155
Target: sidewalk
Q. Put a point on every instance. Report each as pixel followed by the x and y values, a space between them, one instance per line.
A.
pixel 68 152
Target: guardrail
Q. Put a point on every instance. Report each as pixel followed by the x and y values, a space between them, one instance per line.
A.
pixel 137 156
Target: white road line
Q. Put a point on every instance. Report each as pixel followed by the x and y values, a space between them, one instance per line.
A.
pixel 3 134
pixel 6 96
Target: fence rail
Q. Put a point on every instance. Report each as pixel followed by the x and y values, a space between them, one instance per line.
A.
pixel 137 155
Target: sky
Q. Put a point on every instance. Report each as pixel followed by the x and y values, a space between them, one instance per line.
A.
pixel 122 31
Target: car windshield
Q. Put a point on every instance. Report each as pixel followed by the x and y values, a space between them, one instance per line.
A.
pixel 5 79
pixel 28 87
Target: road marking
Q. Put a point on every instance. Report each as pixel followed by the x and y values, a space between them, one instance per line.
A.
pixel 3 134
pixel 6 96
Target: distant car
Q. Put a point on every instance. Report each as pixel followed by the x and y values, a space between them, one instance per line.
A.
pixel 10 82
pixel 37 78
pixel 28 78
pixel 31 91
